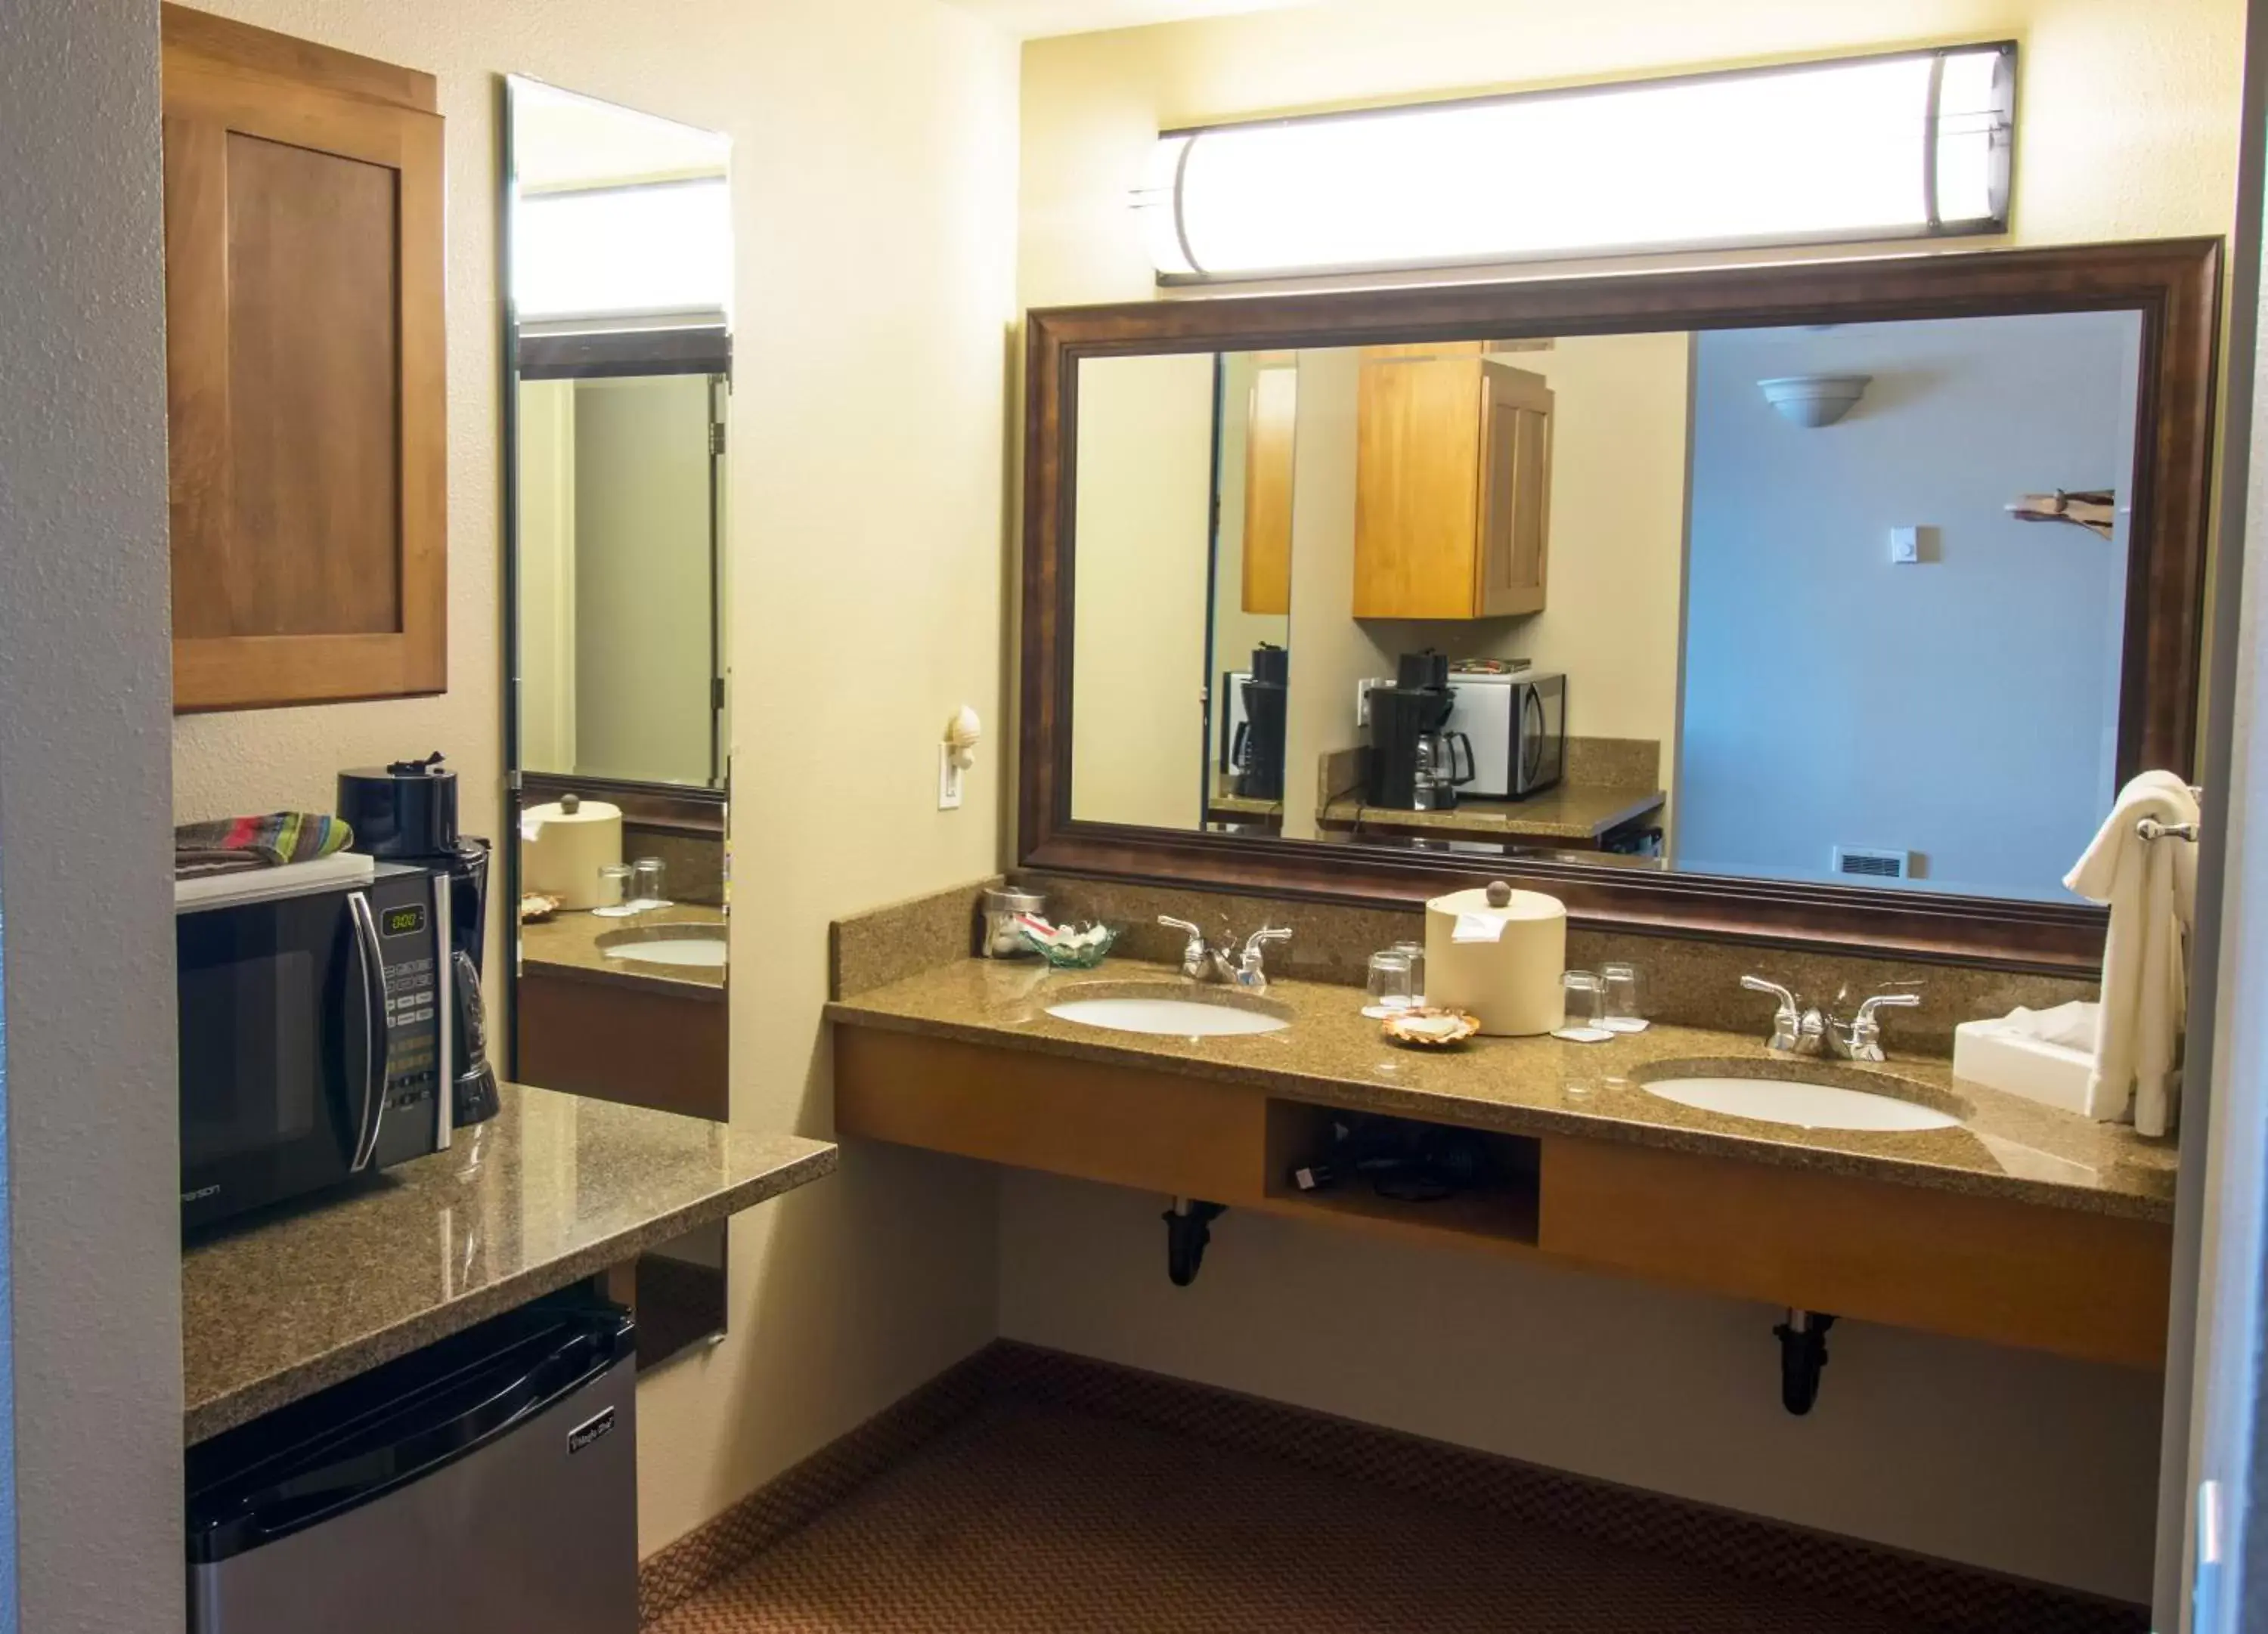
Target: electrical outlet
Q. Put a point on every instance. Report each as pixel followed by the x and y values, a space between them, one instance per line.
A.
pixel 1905 544
pixel 949 780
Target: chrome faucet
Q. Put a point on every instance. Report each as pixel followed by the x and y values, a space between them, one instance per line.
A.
pixel 1201 959
pixel 1799 1029
pixel 1860 1038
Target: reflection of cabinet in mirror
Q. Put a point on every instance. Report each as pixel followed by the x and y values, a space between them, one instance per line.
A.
pixel 1272 417
pixel 303 371
pixel 1453 475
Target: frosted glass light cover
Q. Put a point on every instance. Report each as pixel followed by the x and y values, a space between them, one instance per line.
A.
pixel 1873 147
pixel 623 251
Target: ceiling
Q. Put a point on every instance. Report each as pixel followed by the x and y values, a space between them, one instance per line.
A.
pixel 1033 20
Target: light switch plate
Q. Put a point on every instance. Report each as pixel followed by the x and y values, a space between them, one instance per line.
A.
pixel 1905 544
pixel 949 780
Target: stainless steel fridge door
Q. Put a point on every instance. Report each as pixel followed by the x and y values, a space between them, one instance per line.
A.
pixel 536 1531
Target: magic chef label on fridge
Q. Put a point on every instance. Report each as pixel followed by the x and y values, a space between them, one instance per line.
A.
pixel 589 1431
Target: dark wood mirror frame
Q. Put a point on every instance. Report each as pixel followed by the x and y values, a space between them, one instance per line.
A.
pixel 2173 284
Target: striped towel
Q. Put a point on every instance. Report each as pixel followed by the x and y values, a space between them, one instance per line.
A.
pixel 233 844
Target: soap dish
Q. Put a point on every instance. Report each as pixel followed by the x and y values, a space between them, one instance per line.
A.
pixel 1430 1028
pixel 1070 947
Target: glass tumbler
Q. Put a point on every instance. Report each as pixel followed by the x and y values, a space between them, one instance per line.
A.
pixel 1389 984
pixel 1624 1010
pixel 646 883
pixel 614 884
pixel 1584 999
pixel 1415 953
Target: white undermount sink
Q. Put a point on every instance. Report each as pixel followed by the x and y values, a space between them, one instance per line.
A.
pixel 1805 1106
pixel 698 946
pixel 1176 1017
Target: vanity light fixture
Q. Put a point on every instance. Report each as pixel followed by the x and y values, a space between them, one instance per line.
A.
pixel 1910 144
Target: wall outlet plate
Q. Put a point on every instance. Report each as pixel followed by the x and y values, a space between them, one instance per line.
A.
pixel 949 777
pixel 1905 544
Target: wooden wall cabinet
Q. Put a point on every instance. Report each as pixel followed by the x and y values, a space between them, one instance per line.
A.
pixel 304 360
pixel 1271 421
pixel 1453 485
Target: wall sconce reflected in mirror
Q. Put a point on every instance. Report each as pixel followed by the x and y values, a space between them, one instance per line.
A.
pixel 1813 399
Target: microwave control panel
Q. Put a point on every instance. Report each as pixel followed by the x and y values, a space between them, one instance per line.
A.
pixel 411 930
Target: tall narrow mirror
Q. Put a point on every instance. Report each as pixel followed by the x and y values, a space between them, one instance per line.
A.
pixel 618 371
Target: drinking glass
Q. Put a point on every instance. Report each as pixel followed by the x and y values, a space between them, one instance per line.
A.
pixel 1624 1009
pixel 1389 984
pixel 613 888
pixel 1415 953
pixel 646 883
pixel 1585 999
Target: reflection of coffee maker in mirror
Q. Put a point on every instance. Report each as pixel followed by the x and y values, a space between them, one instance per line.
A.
pixel 407 813
pixel 1416 765
pixel 1255 754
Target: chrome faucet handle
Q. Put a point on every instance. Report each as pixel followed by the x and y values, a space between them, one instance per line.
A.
pixel 1862 1039
pixel 1261 938
pixel 1251 969
pixel 1193 955
pixel 1795 1030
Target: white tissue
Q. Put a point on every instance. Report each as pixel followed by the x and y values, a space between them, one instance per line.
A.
pixel 1478 928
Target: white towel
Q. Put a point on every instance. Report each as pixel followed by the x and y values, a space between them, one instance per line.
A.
pixel 2150 887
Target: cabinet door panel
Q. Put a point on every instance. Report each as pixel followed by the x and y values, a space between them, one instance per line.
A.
pixel 1272 420
pixel 304 347
pixel 1417 487
pixel 1515 493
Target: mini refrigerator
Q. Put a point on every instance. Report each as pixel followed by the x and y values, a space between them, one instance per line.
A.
pixel 485 1484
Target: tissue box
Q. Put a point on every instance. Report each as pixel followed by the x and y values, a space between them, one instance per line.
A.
pixel 1999 1055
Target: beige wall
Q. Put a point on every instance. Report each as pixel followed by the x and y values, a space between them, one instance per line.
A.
pixel 2129 115
pixel 1144 496
pixel 546 574
pixel 90 1286
pixel 1235 631
pixel 873 201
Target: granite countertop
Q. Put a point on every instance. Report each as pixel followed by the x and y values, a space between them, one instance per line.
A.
pixel 1569 811
pixel 568 944
pixel 552 1189
pixel 1330 1055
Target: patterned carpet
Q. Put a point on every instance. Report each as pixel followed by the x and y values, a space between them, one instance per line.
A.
pixel 1037 1520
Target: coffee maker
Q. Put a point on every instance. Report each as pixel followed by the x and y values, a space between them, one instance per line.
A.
pixel 1416 765
pixel 407 813
pixel 1256 749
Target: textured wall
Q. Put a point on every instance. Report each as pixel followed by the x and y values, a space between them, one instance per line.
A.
pixel 85 914
pixel 2129 131
pixel 874 198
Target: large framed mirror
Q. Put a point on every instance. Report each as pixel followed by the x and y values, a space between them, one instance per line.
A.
pixel 1825 603
pixel 618 364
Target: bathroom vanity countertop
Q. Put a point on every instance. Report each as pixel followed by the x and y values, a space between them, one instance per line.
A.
pixel 569 943
pixel 1570 811
pixel 552 1189
pixel 1331 1055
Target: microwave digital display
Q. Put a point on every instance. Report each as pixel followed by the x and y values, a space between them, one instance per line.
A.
pixel 403 921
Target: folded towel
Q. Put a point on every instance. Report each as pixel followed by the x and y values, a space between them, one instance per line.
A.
pixel 2150 887
pixel 233 844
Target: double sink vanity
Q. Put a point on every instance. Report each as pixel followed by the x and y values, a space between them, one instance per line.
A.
pixel 1975 1212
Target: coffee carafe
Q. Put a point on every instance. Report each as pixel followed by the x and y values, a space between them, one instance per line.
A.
pixel 1256 753
pixel 406 812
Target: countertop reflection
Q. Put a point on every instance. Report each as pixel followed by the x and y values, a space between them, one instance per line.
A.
pixel 553 1188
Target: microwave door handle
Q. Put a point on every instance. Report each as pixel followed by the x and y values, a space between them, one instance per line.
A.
pixel 372 958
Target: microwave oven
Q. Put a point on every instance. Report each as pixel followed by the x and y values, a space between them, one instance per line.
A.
pixel 315 1011
pixel 1518 727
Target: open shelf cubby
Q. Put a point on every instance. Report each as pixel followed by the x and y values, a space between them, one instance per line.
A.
pixel 1500 1215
